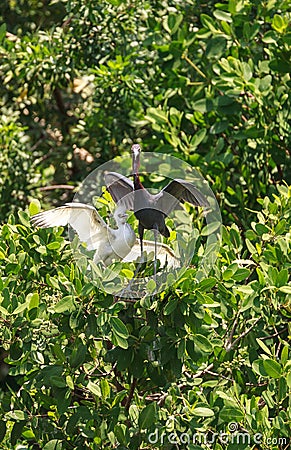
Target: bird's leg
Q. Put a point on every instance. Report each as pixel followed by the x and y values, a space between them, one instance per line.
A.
pixel 155 230
pixel 156 259
pixel 141 232
pixel 139 265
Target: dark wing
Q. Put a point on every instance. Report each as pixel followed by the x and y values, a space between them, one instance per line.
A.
pixel 180 191
pixel 120 188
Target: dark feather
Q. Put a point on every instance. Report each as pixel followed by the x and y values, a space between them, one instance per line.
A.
pixel 120 188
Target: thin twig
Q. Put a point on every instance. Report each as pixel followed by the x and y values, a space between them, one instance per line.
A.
pixel 203 371
pixel 219 375
pixel 273 335
pixel 193 65
pixel 231 345
pixel 130 395
pixel 230 337
pixel 57 186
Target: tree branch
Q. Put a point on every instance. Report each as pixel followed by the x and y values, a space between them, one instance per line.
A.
pixel 57 186
pixel 130 395
pixel 230 345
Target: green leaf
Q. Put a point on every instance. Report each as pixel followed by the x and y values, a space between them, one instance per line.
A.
pixel 78 355
pixel 57 381
pixel 247 71
pixel 34 207
pixel 241 274
pixel 16 431
pixel 282 278
pixel 147 416
pixel 207 284
pixel 197 138
pixel 208 22
pixel 70 382
pixel 20 308
pixel 94 388
pixel 203 343
pixel 119 340
pixel 264 347
pixel 283 190
pixel 17 414
pixel 59 352
pixel 272 368
pixel 284 355
pixel 204 105
pixel 33 300
pixel 91 325
pixel 157 115
pixel 210 228
pixel 105 388
pixel 172 22
pixel 65 304
pixel 54 444
pixel 118 327
pixel 151 286
pixel 258 367
pixel 127 273
pixel 261 229
pixel 222 15
pixel 2 430
pixel 280 227
pixel 171 306
pixel 121 433
pixel 285 289
pixel 2 31
pixel 279 23
pixel 215 47
pixel 219 126
pixel 251 247
pixel 229 272
pixel 54 245
pixel 231 414
pixel 202 412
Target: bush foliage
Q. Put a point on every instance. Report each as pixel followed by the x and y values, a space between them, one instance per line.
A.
pixel 202 364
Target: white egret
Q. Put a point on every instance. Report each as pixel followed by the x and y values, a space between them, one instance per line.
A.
pixel 108 243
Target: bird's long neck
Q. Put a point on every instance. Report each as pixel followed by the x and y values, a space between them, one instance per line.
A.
pixel 135 166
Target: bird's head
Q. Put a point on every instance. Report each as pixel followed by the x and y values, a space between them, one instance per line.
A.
pixel 120 215
pixel 135 149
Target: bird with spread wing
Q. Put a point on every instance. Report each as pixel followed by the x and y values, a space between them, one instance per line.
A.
pixel 151 209
pixel 109 244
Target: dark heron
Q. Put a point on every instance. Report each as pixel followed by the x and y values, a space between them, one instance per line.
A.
pixel 151 209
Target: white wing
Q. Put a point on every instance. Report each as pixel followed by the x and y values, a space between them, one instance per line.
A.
pixel 84 219
pixel 164 253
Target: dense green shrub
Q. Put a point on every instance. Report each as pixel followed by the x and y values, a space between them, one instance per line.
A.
pixel 87 370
